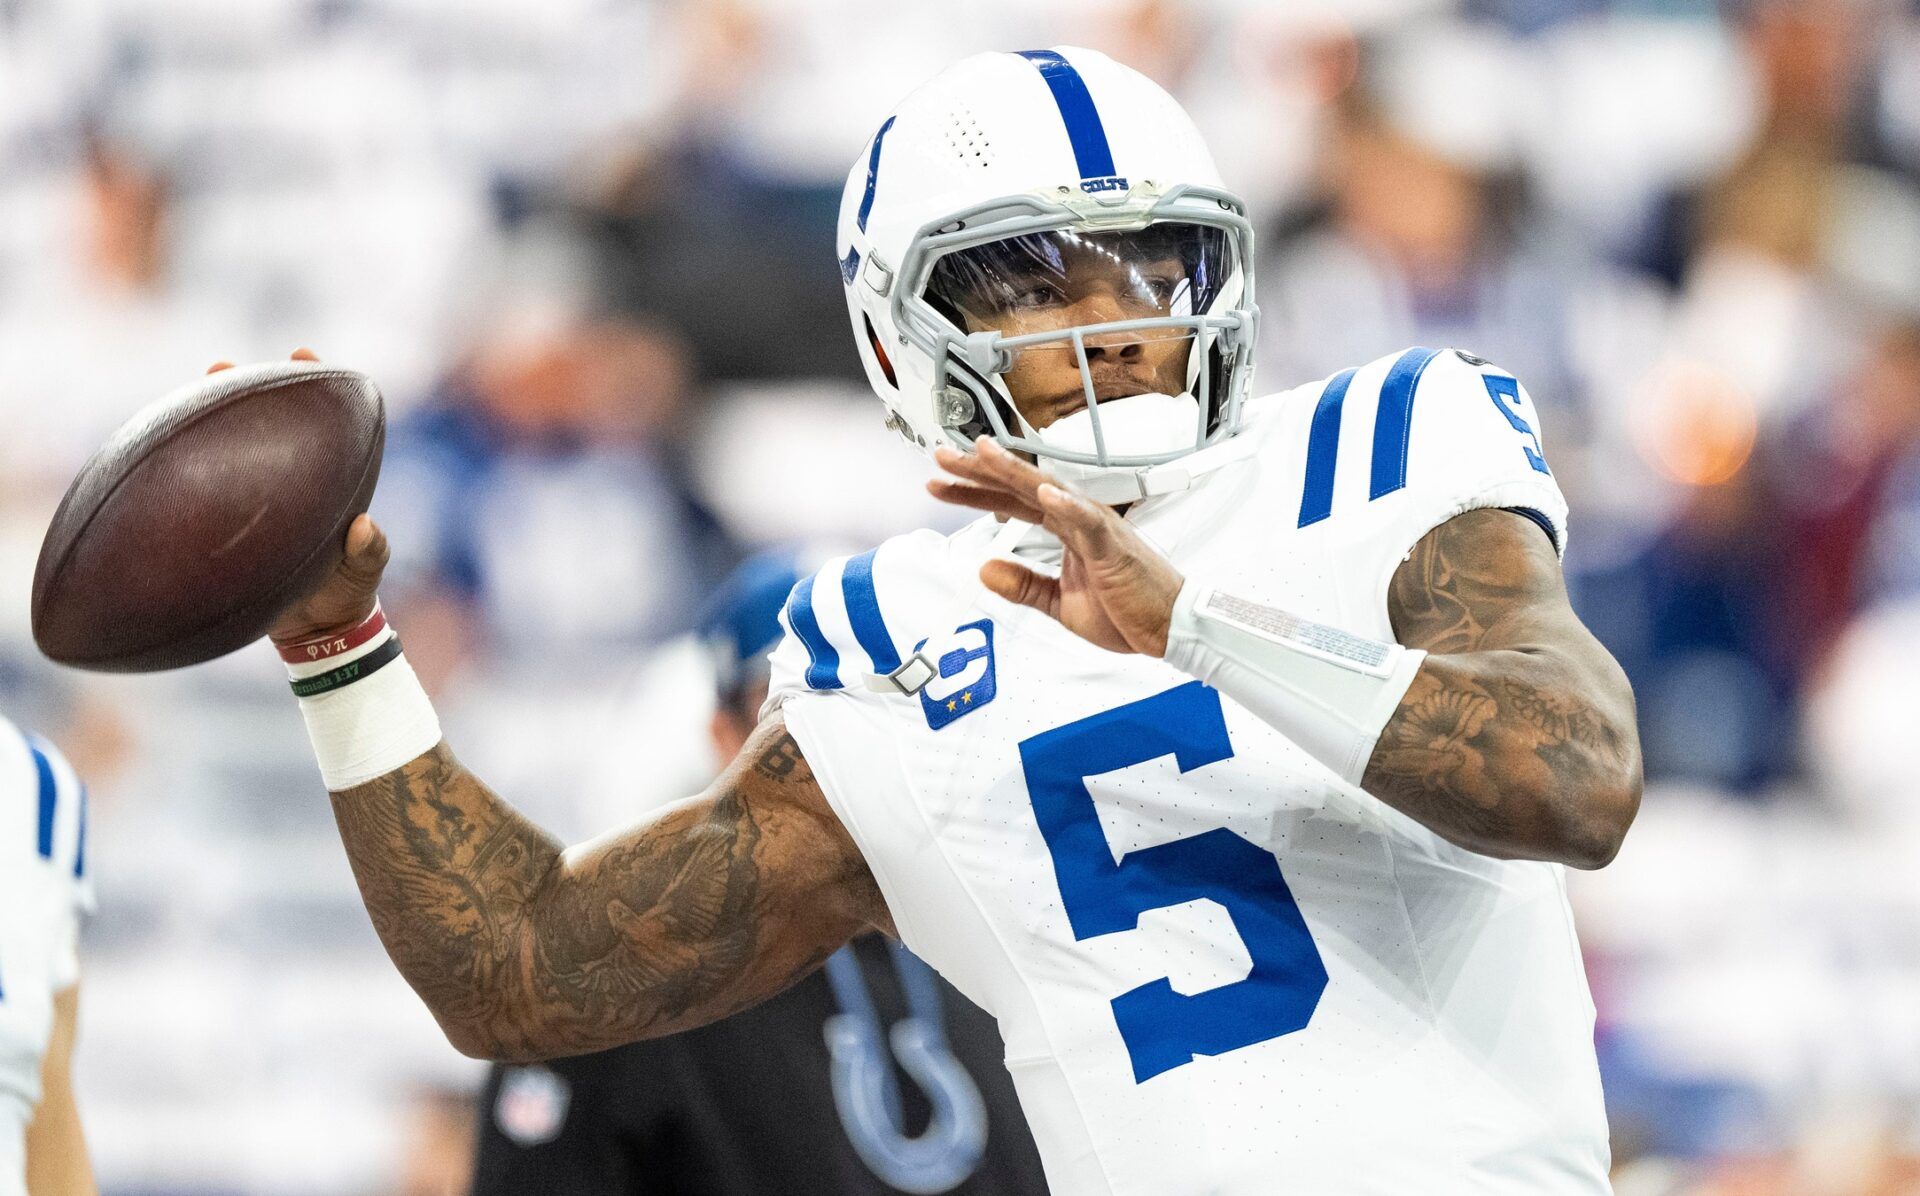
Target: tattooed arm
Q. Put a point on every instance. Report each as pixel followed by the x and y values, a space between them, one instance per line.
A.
pixel 524 950
pixel 1517 737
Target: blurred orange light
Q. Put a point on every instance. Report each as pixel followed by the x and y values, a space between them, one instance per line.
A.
pixel 1694 424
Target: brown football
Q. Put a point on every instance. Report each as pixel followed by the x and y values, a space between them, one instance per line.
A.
pixel 206 515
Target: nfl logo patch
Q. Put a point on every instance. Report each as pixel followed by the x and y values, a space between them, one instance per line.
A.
pixel 965 683
pixel 532 1105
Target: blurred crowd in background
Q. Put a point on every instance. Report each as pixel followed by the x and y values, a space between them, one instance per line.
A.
pixel 586 247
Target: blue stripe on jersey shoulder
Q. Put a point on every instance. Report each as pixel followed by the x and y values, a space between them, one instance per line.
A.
pixel 49 791
pixel 1393 424
pixel 823 669
pixel 1323 449
pixel 863 611
pixel 1092 155
pixel 873 178
pixel 80 838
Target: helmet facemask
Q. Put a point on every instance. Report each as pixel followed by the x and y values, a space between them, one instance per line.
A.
pixel 1141 309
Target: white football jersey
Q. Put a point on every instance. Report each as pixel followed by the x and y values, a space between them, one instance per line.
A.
pixel 1217 967
pixel 44 894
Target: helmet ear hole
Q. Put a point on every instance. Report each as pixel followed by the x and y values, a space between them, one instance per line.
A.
pixel 879 352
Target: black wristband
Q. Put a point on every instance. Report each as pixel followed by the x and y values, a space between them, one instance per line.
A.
pixel 352 671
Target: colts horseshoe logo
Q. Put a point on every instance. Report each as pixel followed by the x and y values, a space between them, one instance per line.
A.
pixel 865 1093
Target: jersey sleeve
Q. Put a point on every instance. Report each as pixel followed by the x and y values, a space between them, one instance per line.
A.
pixel 72 898
pixel 43 899
pixel 857 616
pixel 45 840
pixel 1427 434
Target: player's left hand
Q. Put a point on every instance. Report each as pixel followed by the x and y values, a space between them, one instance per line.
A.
pixel 1114 589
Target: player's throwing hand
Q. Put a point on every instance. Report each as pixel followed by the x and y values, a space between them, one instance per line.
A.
pixel 1114 589
pixel 346 598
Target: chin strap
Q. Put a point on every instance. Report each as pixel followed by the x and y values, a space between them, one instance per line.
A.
pixel 923 666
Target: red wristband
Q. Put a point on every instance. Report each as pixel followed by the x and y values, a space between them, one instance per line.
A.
pixel 309 651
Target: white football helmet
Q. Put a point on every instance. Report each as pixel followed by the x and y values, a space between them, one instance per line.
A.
pixel 981 201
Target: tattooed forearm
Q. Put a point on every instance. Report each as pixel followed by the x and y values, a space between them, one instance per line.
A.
pixel 1494 756
pixel 1517 737
pixel 523 950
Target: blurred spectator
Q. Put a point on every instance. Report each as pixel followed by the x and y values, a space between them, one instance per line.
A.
pixel 101 317
pixel 536 491
pixel 1426 237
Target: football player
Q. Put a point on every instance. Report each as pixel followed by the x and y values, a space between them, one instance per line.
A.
pixel 45 893
pixel 1231 762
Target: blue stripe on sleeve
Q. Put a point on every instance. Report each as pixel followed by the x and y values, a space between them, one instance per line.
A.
pixel 1091 153
pixel 863 611
pixel 824 670
pixel 873 175
pixel 80 839
pixel 48 791
pixel 1323 449
pixel 1394 423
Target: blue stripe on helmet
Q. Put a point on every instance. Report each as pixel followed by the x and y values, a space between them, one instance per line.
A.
pixel 1323 449
pixel 1091 153
pixel 873 174
pixel 823 669
pixel 1394 422
pixel 863 611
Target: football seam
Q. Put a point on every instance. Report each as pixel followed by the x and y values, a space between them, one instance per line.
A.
pixel 60 563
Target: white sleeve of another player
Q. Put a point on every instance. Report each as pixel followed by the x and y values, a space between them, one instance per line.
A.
pixel 73 899
pixel 1439 434
pixel 43 899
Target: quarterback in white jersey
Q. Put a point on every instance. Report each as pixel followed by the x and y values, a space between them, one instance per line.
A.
pixel 44 895
pixel 1231 761
pixel 1217 965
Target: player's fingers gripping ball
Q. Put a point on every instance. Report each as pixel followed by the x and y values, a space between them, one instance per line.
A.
pixel 347 596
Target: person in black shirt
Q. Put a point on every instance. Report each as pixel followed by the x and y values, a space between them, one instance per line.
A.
pixel 871 1076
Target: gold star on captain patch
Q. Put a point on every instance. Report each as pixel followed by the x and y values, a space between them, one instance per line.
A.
pixel 952 705
pixel 967 697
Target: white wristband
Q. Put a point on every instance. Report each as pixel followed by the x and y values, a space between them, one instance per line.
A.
pixel 1328 690
pixel 370 726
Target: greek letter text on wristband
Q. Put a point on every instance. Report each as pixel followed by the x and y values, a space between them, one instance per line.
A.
pixel 324 648
pixel 358 669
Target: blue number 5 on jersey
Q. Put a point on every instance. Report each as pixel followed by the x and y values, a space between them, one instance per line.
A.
pixel 1161 1028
